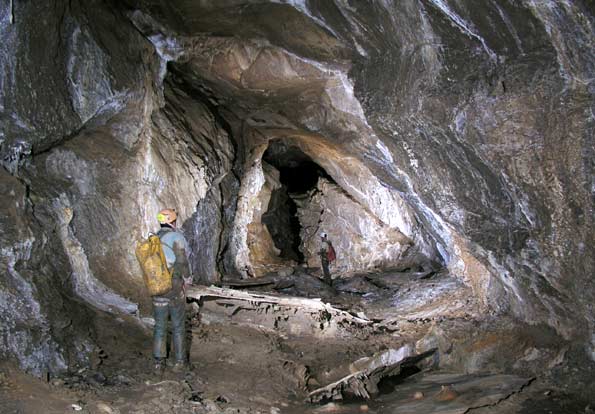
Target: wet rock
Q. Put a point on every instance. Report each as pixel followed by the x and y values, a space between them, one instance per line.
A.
pixel 60 97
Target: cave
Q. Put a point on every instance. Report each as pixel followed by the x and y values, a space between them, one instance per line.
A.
pixel 445 146
pixel 298 175
pixel 283 224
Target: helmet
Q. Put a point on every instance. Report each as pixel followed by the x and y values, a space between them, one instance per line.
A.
pixel 323 234
pixel 167 216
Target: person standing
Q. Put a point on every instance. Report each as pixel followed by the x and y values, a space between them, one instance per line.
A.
pixel 327 256
pixel 172 303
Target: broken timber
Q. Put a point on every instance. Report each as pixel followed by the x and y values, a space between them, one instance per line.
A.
pixel 364 383
pixel 247 300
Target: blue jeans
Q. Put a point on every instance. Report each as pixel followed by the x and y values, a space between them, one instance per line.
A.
pixel 176 308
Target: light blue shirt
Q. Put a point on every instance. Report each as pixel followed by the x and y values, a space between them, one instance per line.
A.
pixel 168 241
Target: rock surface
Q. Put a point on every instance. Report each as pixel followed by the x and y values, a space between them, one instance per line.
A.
pixel 444 105
pixel 61 75
pixel 459 132
pixel 38 318
pixel 362 242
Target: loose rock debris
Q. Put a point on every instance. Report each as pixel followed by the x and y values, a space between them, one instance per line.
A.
pixel 442 393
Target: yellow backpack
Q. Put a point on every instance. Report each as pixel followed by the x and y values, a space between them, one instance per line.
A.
pixel 157 276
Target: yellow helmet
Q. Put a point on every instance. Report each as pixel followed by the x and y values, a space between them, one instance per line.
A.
pixel 167 216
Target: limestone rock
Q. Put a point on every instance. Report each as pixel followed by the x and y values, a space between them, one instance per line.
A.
pixel 361 241
pixel 264 256
pixel 37 328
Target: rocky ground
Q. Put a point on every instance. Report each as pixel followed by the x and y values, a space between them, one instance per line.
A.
pixel 243 364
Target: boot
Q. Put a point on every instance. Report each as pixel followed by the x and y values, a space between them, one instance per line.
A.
pixel 159 365
pixel 180 367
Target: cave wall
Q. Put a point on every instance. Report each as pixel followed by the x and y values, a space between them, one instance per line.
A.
pixel 282 224
pixel 464 125
pixel 41 324
pixel 366 239
pixel 362 242
pixel 476 113
pixel 59 75
pixel 361 196
pixel 501 116
pixel 94 141
pixel 199 169
pixel 264 256
pixel 115 193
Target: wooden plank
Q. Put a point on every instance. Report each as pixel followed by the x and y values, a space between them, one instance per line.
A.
pixel 304 304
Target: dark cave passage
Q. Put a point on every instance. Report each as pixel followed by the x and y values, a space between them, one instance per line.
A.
pixel 298 174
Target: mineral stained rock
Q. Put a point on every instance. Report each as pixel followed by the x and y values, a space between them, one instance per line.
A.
pixel 361 241
pixel 264 256
pixel 40 322
pixel 462 129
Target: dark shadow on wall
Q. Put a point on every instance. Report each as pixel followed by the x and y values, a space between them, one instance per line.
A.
pixel 298 175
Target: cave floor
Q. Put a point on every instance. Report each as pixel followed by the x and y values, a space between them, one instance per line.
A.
pixel 243 366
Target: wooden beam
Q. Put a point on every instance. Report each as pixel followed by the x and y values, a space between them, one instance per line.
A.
pixel 254 299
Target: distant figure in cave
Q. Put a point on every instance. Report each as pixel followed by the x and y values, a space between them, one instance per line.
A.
pixel 172 303
pixel 327 256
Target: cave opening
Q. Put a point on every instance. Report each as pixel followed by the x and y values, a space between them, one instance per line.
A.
pixel 298 175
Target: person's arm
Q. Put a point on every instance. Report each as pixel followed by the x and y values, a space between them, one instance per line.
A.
pixel 182 266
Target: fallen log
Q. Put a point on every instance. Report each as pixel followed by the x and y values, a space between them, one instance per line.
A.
pixel 364 383
pixel 255 300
